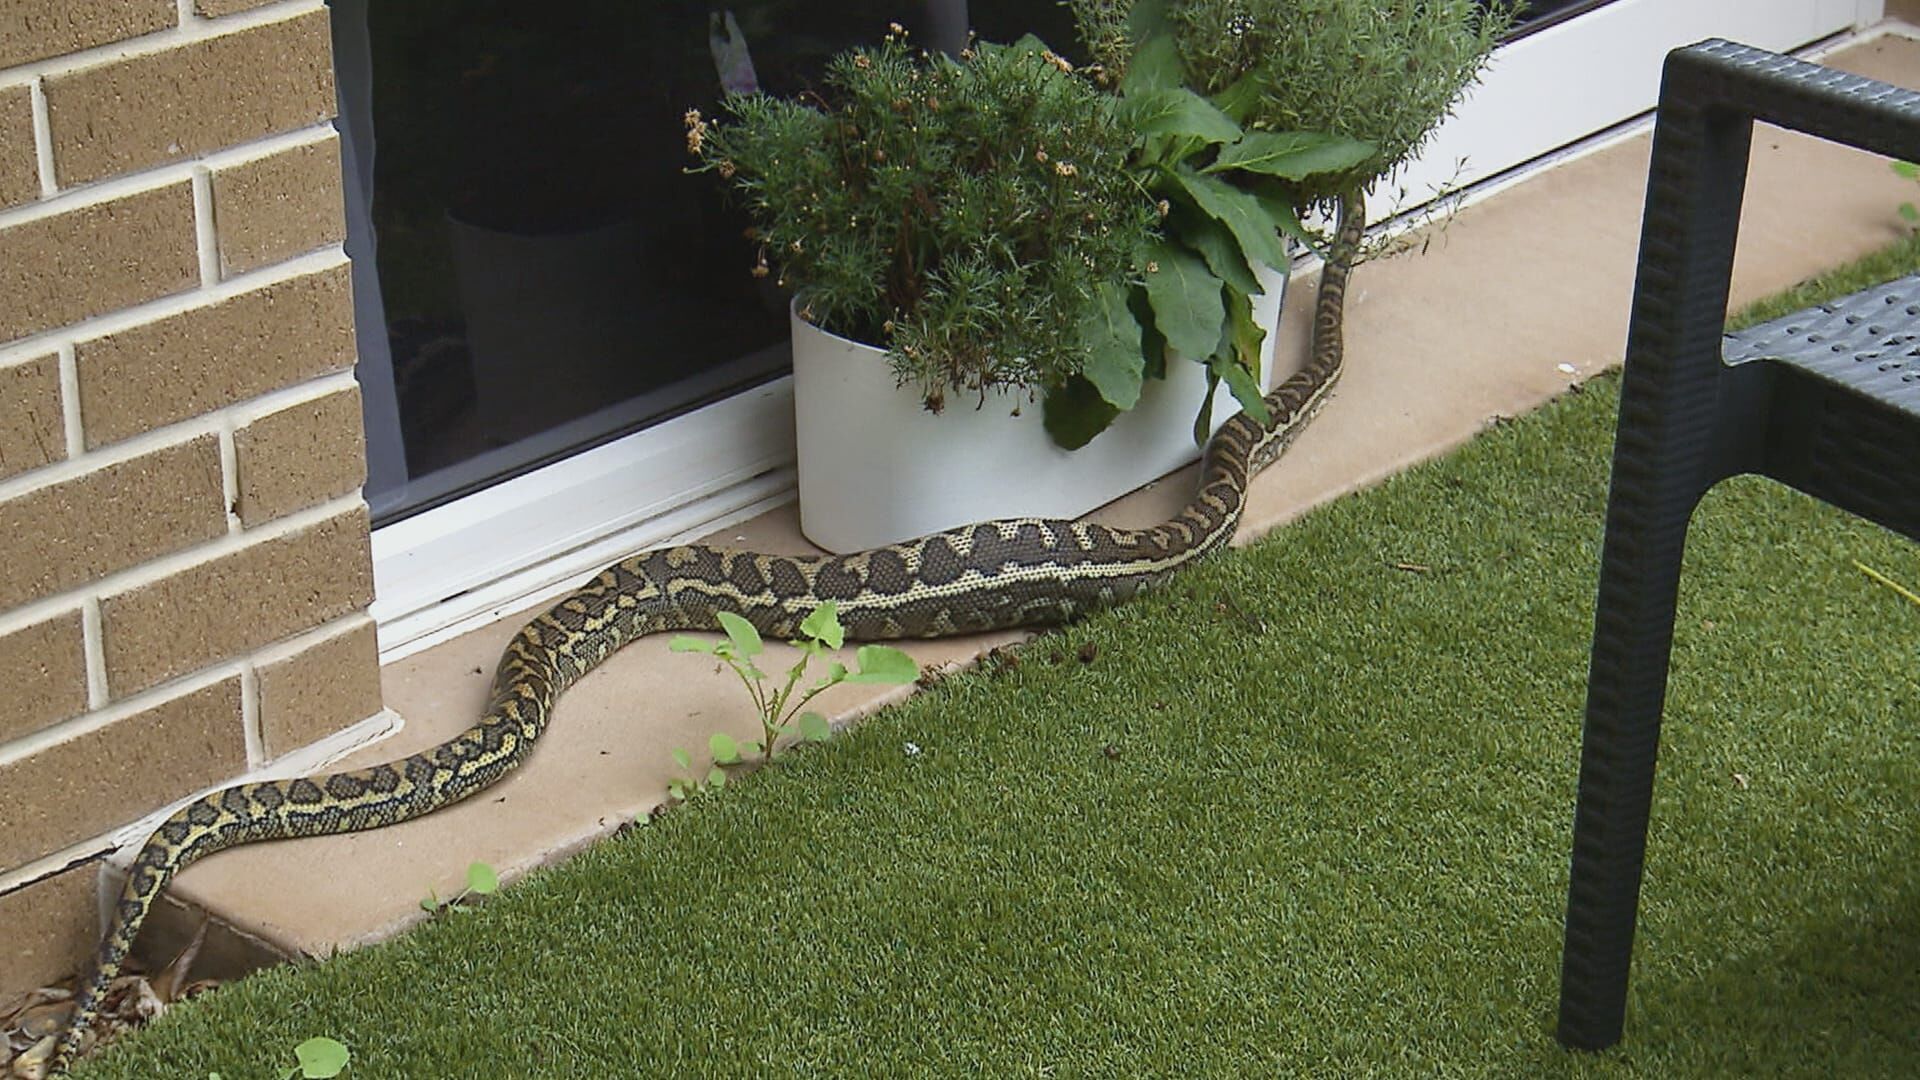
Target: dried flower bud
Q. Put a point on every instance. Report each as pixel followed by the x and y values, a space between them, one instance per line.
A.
pixel 896 30
pixel 1040 156
pixel 1057 60
pixel 726 170
pixel 1164 207
pixel 1152 267
pixel 760 270
pixel 860 61
pixel 1065 168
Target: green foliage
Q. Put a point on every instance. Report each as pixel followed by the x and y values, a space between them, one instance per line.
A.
pixel 319 1058
pixel 1380 72
pixel 482 880
pixel 957 212
pixel 781 711
pixel 1385 72
pixel 1216 186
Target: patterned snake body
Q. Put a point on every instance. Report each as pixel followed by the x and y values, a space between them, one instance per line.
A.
pixel 987 576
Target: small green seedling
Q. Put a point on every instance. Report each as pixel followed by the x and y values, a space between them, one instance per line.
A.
pixel 783 712
pixel 481 881
pixel 320 1058
pixel 1907 170
pixel 686 787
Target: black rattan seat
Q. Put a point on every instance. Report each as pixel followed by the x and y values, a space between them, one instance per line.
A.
pixel 1825 400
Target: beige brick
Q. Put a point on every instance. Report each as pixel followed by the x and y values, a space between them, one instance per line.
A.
pixel 111 518
pixel 19 163
pixel 209 357
pixel 213 9
pixel 274 208
pixel 300 456
pixel 168 106
pixel 32 432
pixel 325 688
pixel 36 29
pixel 60 269
pixel 233 604
pixel 45 669
pixel 104 778
pixel 51 927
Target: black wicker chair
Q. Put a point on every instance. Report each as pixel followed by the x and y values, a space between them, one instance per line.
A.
pixel 1826 401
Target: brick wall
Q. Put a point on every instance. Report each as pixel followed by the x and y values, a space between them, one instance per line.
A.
pixel 184 564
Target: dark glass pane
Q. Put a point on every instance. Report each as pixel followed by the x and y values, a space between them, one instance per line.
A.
pixel 551 275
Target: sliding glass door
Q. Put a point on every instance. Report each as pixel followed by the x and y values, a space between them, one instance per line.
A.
pixel 538 273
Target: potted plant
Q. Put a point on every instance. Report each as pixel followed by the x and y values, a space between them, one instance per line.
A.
pixel 969 243
pixel 1370 78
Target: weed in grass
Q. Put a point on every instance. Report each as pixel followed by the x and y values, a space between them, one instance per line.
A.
pixel 780 712
pixel 481 881
pixel 320 1058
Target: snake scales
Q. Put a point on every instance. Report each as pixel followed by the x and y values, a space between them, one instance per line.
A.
pixel 991 575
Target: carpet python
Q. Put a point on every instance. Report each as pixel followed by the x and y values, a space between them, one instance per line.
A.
pixel 987 576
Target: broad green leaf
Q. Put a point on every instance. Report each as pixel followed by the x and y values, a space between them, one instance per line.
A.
pixel 1154 65
pixel 1153 344
pixel 1291 155
pixel 1245 388
pixel 430 903
pixel 1907 169
pixel 321 1057
pixel 676 790
pixel 1203 424
pixel 824 625
pixel 685 759
pixel 1244 340
pixel 1186 299
pixel 683 643
pixel 1238 100
pixel 1219 248
pixel 1147 21
pixel 1286 218
pixel 1113 347
pixel 1074 412
pixel 725 750
pixel 751 746
pixel 1176 110
pixel 1239 211
pixel 482 880
pixel 814 727
pixel 716 777
pixel 746 640
pixel 884 664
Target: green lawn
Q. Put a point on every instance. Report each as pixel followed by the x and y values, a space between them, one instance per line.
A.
pixel 1305 812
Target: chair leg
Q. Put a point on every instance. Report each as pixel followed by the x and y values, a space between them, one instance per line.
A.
pixel 1626 690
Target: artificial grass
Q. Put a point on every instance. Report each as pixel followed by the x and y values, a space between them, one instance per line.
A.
pixel 1304 812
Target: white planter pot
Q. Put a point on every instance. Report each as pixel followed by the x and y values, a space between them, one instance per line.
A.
pixel 877 468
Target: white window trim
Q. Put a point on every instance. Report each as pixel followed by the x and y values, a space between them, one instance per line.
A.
pixel 521 542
